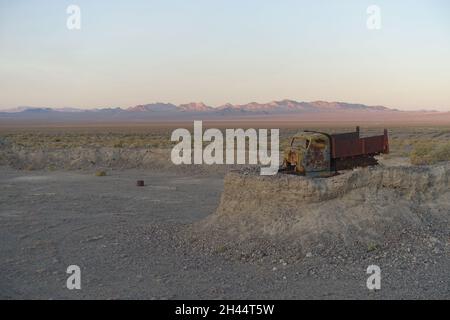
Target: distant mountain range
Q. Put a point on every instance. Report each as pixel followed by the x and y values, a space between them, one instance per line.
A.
pixel 288 109
pixel 274 107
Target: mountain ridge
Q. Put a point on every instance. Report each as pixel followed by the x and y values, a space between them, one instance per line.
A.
pixel 281 106
pixel 275 110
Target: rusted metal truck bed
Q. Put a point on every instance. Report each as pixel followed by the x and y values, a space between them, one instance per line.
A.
pixel 348 145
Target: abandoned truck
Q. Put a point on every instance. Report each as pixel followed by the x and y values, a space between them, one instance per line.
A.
pixel 319 154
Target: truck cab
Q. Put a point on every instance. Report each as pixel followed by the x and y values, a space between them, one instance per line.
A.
pixel 308 154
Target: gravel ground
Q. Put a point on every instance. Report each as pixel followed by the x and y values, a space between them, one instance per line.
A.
pixel 129 243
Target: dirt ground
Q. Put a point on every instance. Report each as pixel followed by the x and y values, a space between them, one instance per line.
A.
pixel 130 243
pixel 182 236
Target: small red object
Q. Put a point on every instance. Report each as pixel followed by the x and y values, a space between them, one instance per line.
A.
pixel 140 183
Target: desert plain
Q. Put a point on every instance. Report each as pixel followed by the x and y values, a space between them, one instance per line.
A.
pixel 68 196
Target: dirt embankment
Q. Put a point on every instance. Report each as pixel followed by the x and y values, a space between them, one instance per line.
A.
pixel 361 210
pixel 107 158
pixel 84 158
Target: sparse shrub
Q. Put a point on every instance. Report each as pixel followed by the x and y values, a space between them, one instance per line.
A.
pixel 442 152
pixel 100 173
pixel 421 154
pixel 221 249
pixel 429 153
pixel 118 144
pixel 372 247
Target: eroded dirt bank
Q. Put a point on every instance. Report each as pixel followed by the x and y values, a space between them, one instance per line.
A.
pixel 107 158
pixel 82 158
pixel 353 212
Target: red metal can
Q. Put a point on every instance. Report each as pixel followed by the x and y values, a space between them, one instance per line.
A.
pixel 140 183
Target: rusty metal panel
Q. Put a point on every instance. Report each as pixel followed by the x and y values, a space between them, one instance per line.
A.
pixel 346 135
pixel 346 147
pixel 373 145
pixel 350 145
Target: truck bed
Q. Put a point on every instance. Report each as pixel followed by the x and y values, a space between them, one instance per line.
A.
pixel 349 145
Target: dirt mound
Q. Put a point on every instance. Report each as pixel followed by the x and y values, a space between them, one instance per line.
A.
pixel 361 210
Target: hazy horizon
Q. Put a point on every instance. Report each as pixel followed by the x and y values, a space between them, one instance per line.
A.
pixel 138 52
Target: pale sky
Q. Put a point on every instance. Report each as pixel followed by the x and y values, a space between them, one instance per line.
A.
pixel 218 51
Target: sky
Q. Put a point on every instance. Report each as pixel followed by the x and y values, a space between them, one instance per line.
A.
pixel 224 51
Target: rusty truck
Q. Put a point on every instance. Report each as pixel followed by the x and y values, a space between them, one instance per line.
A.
pixel 314 153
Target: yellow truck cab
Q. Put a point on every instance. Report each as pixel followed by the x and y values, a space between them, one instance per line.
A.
pixel 308 154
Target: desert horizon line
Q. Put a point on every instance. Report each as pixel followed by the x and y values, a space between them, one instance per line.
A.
pixel 201 104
